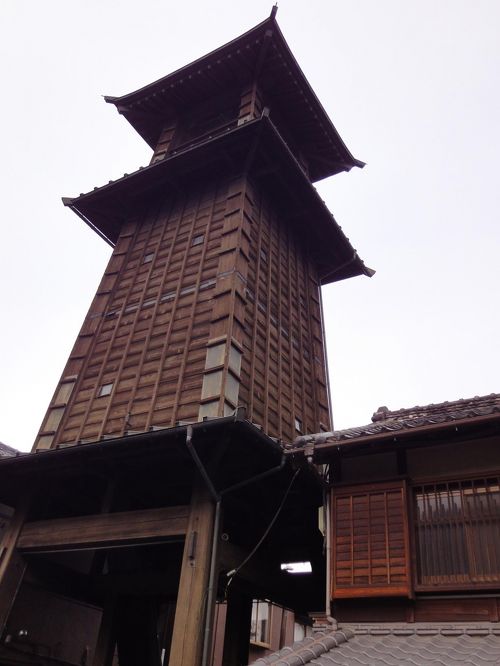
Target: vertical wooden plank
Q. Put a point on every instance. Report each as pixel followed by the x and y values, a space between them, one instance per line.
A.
pixel 275 622
pixel 106 638
pixel 218 636
pixel 142 297
pixel 194 302
pixel 168 333
pixel 12 564
pixel 115 264
pixel 187 637
pixel 136 621
pixel 237 636
pixel 387 541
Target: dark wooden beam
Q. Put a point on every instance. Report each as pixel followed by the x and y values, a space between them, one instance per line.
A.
pixel 108 530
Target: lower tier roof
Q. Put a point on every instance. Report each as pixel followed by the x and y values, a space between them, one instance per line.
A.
pixel 256 148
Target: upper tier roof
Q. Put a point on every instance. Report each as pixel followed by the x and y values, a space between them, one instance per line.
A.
pixel 260 53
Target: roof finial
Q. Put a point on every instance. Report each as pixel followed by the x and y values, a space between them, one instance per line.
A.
pixel 274 11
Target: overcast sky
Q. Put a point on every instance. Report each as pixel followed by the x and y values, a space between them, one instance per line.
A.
pixel 411 85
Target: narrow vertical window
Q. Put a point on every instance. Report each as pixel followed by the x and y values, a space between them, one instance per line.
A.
pixel 259 631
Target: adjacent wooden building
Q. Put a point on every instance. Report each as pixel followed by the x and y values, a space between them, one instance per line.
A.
pixel 414 514
pixel 157 482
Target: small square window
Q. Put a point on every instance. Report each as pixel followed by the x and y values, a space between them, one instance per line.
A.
pixel 148 257
pixel 105 390
pixel 198 240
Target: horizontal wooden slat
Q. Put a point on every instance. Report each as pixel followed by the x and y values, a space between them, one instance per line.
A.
pixel 370 541
pixel 104 529
pixel 371 591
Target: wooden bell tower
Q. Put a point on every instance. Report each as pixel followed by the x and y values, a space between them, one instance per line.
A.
pixel 202 347
pixel 211 299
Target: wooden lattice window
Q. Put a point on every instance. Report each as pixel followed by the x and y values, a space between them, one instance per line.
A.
pixel 457 530
pixel 370 543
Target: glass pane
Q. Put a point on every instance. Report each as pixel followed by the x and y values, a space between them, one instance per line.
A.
pixel 457 529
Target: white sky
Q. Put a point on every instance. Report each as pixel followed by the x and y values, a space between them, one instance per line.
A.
pixel 411 85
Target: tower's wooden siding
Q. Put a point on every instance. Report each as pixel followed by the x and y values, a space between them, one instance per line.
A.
pixel 209 301
pixel 284 358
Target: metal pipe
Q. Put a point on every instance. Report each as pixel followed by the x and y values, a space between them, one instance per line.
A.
pixel 211 591
pixel 199 464
pixel 258 477
pixel 328 610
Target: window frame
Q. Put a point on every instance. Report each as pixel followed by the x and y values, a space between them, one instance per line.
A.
pixel 453 582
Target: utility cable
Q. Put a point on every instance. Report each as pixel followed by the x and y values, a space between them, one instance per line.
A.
pixel 231 574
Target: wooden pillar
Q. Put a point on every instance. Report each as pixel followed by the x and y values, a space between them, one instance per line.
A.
pixel 106 640
pixel 12 564
pixel 237 634
pixel 190 612
pixel 136 621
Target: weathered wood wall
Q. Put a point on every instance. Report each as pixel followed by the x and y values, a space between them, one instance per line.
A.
pixel 209 301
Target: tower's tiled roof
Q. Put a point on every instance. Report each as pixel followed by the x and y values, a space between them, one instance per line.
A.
pixel 387 646
pixel 262 50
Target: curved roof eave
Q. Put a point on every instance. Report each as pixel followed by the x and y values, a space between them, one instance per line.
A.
pixel 128 104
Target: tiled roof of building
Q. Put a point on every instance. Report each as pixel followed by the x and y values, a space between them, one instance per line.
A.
pixel 411 645
pixel 7 451
pixel 384 420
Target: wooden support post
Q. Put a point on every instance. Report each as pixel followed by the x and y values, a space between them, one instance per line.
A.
pixel 190 612
pixel 136 622
pixel 106 640
pixel 237 634
pixel 12 564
